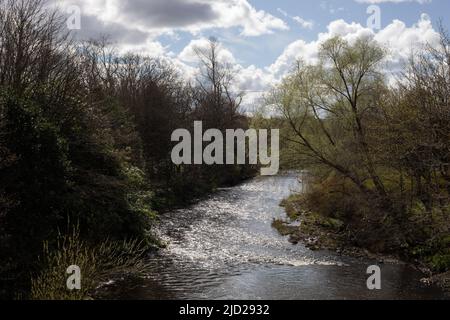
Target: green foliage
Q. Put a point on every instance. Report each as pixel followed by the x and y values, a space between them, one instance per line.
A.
pixel 375 158
pixel 85 135
pixel 293 205
pixel 38 177
pixel 435 251
pixel 98 264
pixel 441 262
pixel 140 196
pixel 283 228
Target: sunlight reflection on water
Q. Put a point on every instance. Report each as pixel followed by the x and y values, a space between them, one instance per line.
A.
pixel 225 248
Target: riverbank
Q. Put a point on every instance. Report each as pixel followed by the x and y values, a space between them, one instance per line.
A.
pixel 318 233
pixel 224 248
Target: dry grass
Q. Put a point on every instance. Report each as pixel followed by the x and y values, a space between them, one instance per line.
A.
pixel 97 263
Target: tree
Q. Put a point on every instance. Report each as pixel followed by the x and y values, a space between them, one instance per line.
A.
pixel 417 117
pixel 325 107
pixel 63 147
pixel 217 105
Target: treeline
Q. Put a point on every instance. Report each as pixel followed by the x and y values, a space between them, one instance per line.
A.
pixel 375 156
pixel 85 137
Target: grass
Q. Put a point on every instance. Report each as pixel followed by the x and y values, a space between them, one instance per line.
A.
pixel 283 228
pixel 97 264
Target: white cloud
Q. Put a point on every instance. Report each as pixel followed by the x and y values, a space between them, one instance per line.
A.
pixel 306 24
pixel 158 17
pixel 140 36
pixel 393 1
pixel 250 80
pixel 149 48
pixel 189 53
pixel 284 13
pixel 299 49
pixel 397 38
pixel 401 40
pixel 241 13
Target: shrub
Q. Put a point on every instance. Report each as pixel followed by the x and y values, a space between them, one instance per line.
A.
pixel 441 262
pixel 97 264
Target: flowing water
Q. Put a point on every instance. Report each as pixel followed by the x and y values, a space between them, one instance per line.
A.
pixel 225 248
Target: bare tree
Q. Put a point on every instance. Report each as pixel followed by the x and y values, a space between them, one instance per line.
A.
pixel 215 82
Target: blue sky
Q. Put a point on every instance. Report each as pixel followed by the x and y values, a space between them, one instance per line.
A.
pixel 264 50
pixel 260 38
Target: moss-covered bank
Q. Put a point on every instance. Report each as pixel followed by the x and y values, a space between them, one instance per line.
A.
pixel 318 232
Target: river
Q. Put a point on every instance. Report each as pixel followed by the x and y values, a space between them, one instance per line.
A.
pixel 225 248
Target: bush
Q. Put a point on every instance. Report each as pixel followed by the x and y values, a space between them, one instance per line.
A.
pixel 338 205
pixel 97 264
pixel 441 262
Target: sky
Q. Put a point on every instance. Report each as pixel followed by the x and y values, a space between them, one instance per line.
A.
pixel 261 38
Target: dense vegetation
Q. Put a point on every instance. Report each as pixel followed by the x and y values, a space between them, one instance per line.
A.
pixel 85 147
pixel 376 157
pixel 85 139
